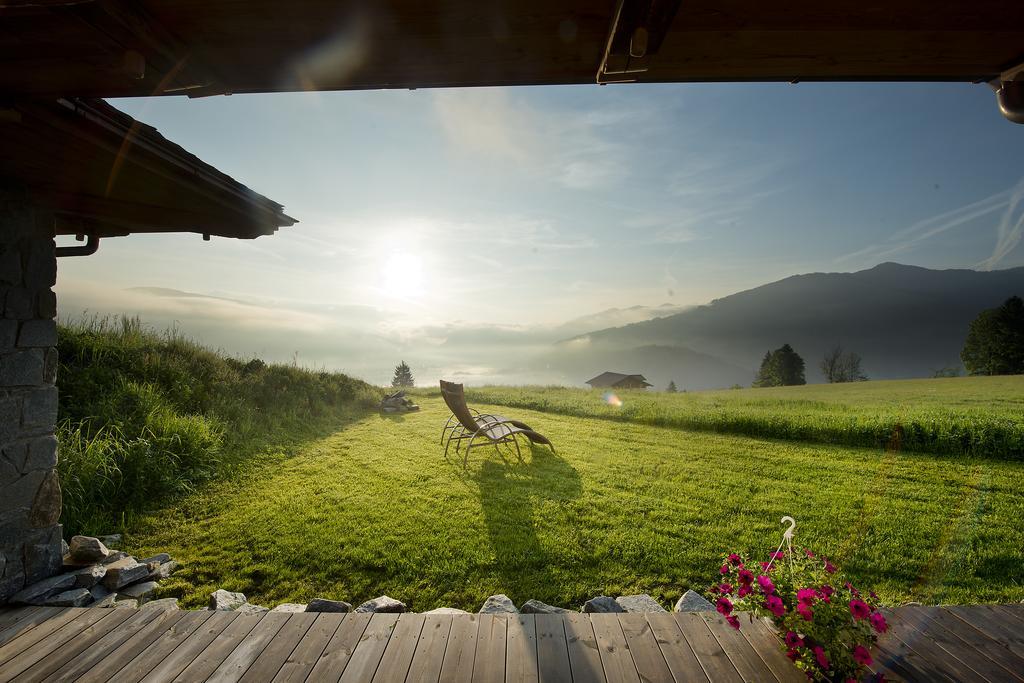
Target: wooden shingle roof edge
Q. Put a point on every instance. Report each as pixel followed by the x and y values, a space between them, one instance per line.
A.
pixel 104 174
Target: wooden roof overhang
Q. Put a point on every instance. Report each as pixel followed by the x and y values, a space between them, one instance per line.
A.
pixel 104 174
pixel 114 48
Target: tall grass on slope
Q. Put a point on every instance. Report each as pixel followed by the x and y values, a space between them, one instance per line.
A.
pixel 147 415
pixel 977 416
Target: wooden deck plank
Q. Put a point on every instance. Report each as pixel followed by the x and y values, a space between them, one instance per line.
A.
pixel 643 646
pixel 12 615
pixel 241 658
pixel 677 652
pixel 980 653
pixel 141 639
pixel 457 666
pixel 34 629
pixel 274 655
pixel 705 646
pixel 55 660
pixel 766 643
pixel 744 658
pixel 489 659
pixel 368 652
pixel 28 622
pixel 584 655
pixel 985 645
pixel 73 669
pixel 913 629
pixel 903 660
pixel 211 657
pixel 552 651
pixel 304 657
pixel 339 649
pixel 26 658
pixel 611 644
pixel 1015 612
pixel 990 622
pixel 183 655
pixel 397 657
pixel 521 650
pixel 144 662
pixel 430 650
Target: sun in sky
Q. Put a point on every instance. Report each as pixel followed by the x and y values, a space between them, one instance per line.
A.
pixel 402 275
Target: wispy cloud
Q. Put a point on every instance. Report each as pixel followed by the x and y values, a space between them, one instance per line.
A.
pixel 579 152
pixel 1008 230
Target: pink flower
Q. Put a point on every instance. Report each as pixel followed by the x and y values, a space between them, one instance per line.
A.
pixel 735 559
pixel 726 588
pixel 774 605
pixel 819 654
pixel 746 577
pixel 829 567
pixel 714 589
pixel 724 569
pixel 862 656
pixel 826 592
pixel 765 566
pixel 767 587
pixel 744 591
pixel 724 605
pixel 808 553
pixel 778 554
pixel 806 596
pixel 859 609
pixel 805 611
pixel 734 622
pixel 878 622
pixel 874 596
pixel 792 654
pixel 793 640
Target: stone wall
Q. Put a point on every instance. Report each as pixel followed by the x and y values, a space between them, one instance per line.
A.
pixel 30 501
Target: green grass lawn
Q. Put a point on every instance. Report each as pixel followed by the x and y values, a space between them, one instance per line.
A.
pixel 623 507
pixel 964 415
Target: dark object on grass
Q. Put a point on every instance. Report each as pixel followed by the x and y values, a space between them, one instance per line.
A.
pixel 397 403
pixel 466 423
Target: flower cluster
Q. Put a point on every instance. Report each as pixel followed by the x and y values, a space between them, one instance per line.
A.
pixel 829 625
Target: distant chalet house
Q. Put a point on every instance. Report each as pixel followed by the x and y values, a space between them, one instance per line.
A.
pixel 617 380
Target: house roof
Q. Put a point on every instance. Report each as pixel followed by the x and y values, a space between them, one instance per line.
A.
pixel 608 379
pixel 106 48
pixel 105 174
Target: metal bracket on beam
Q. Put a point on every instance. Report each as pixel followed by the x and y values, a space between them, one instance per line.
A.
pixel 637 30
pixel 87 249
pixel 1009 89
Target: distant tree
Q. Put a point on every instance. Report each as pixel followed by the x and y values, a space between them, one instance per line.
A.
pixel 782 367
pixel 995 341
pixel 842 366
pixel 948 371
pixel 403 376
pixel 671 387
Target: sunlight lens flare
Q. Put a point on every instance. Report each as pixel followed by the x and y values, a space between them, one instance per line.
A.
pixel 613 400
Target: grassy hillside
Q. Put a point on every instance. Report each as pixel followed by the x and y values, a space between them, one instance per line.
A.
pixel 981 416
pixel 620 508
pixel 144 416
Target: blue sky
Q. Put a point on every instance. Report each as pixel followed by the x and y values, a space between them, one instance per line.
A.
pixel 423 210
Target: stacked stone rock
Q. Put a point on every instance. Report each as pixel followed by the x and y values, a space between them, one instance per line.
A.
pixel 95 576
pixel 30 501
pixel 496 604
pixel 397 402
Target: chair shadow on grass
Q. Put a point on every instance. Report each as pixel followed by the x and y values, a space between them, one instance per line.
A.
pixel 511 493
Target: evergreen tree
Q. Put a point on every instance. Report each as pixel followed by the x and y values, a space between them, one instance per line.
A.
pixel 403 376
pixel 782 367
pixel 671 387
pixel 995 341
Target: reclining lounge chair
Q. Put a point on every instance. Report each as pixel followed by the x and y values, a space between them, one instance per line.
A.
pixel 468 424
